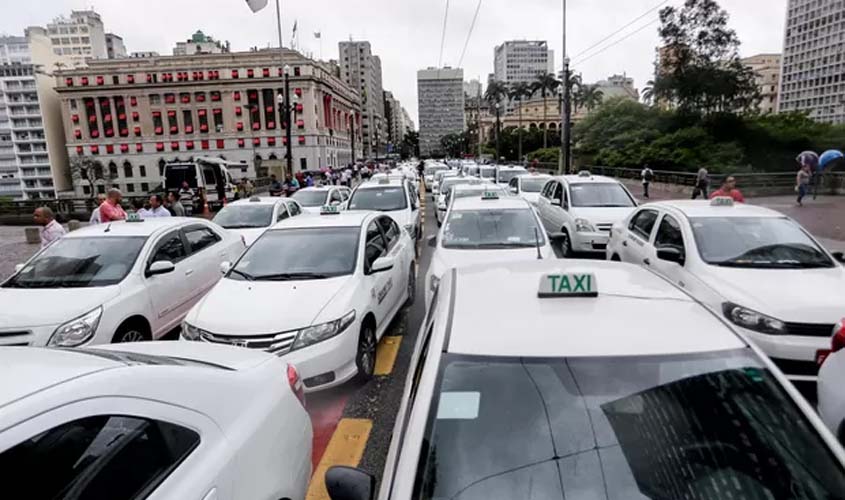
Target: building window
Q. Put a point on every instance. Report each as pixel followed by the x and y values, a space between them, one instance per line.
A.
pixel 145 187
pixel 188 121
pixel 86 189
pixel 155 99
pixel 142 171
pixel 303 164
pixel 115 79
pixel 218 120
pixel 127 170
pixel 72 103
pixel 130 188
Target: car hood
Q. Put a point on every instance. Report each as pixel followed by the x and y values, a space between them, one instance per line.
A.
pixel 260 307
pixel 22 307
pixel 792 295
pixel 602 215
pixel 249 235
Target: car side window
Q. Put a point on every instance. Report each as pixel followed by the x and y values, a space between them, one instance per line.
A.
pixel 545 191
pixel 642 223
pixel 514 184
pixel 344 194
pixel 375 246
pixel 283 212
pixel 557 194
pixel 669 234
pixel 170 248
pixel 200 238
pixel 104 456
pixel 335 197
pixel 391 231
pixel 294 209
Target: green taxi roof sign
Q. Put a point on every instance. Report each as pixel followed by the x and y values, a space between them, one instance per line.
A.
pixel 329 210
pixel 133 217
pixel 489 195
pixel 722 201
pixel 567 285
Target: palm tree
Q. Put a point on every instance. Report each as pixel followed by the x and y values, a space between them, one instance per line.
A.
pixel 648 92
pixel 576 92
pixel 546 84
pixel 518 91
pixel 496 91
pixel 591 96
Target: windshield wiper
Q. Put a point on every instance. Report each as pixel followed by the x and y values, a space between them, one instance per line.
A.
pixel 291 277
pixel 771 265
pixel 246 276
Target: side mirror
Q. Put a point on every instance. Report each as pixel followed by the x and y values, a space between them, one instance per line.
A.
pixel 160 267
pixel 514 190
pixel 839 256
pixel 347 483
pixel 19 267
pixel 382 264
pixel 670 254
pixel 557 236
pixel 225 267
pixel 432 241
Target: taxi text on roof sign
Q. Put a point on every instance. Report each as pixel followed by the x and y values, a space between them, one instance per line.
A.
pixel 133 217
pixel 722 201
pixel 329 210
pixel 567 285
pixel 489 195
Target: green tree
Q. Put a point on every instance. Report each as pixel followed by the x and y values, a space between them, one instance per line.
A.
pixel 648 93
pixel 590 96
pixel 86 169
pixel 546 84
pixel 518 92
pixel 410 146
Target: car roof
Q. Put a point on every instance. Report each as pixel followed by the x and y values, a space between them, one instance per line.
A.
pixel 592 179
pixel 476 203
pixel 146 227
pixel 344 218
pixel 317 188
pixel 704 208
pixel 511 167
pixel 497 312
pixel 262 200
pixel 391 182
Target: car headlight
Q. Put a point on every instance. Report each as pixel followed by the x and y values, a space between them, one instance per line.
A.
pixel 77 331
pixel 190 332
pixel 318 333
pixel 584 226
pixel 752 320
pixel 434 283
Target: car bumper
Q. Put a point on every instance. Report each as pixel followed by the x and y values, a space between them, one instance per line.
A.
pixel 590 242
pixel 332 360
pixel 794 355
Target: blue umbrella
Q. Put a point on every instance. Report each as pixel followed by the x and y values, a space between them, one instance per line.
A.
pixel 808 159
pixel 828 157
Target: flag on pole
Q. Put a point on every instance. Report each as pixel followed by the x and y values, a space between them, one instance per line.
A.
pixel 318 35
pixel 256 5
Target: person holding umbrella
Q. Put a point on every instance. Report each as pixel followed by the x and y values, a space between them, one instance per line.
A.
pixel 828 159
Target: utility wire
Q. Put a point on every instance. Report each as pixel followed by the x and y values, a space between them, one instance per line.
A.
pixel 617 42
pixel 608 37
pixel 469 34
pixel 443 36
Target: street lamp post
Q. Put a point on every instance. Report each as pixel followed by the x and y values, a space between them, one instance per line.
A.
pixel 285 111
pixel 498 130
pixel 566 145
pixel 564 118
pixel 352 135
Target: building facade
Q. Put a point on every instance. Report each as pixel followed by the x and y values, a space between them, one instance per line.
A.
pixel 441 106
pixel 79 37
pixel 472 89
pixel 115 49
pixel 766 68
pixel 361 70
pixel 618 86
pixel 521 61
pixel 393 113
pixel 200 43
pixel 133 116
pixel 407 122
pixel 813 67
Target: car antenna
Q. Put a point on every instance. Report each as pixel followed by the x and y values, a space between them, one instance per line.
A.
pixel 108 228
pixel 537 242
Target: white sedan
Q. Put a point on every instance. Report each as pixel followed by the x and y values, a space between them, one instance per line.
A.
pixel 250 218
pixel 441 203
pixel 394 197
pixel 117 282
pixel 529 186
pixel 759 269
pixel 313 199
pixel 158 420
pixel 319 290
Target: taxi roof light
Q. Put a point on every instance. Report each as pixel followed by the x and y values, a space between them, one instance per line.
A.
pixel 134 217
pixel 555 285
pixel 722 201
pixel 329 210
pixel 489 195
pixel 585 173
pixel 255 199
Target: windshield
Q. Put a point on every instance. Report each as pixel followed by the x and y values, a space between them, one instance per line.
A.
pixel 448 184
pixel 505 176
pixel 492 229
pixel 600 195
pixel 438 176
pixel 300 254
pixel 487 172
pixel 533 184
pixel 469 192
pixel 701 426
pixel 433 170
pixel 310 198
pixel 80 263
pixel 761 242
pixel 245 216
pixel 384 199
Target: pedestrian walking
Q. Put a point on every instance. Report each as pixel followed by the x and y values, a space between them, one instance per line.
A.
pixel 648 175
pixel 802 184
pixel 50 230
pixel 309 181
pixel 110 210
pixel 729 189
pixel 275 186
pixel 175 205
pixel 186 197
pixel 702 184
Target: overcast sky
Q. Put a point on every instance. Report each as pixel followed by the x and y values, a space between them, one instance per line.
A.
pixel 407 33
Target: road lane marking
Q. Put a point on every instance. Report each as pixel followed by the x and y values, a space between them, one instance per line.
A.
pixel 345 448
pixel 386 353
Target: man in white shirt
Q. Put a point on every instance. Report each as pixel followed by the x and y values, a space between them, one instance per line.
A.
pixel 156 209
pixel 50 230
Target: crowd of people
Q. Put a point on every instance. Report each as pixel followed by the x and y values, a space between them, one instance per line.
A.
pixel 331 176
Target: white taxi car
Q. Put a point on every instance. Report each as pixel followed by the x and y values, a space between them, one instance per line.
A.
pixel 313 199
pixel 580 209
pixel 757 267
pixel 556 379
pixel 152 420
pixel 438 177
pixel 529 186
pixel 394 197
pixel 250 218
pixel 443 193
pixel 486 228
pixel 116 282
pixel 504 174
pixel 318 290
pixel 429 170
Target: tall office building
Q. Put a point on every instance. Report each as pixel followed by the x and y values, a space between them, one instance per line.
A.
pixel 361 70
pixel 393 117
pixel 115 49
pixel 407 122
pixel 812 67
pixel 766 68
pixel 521 61
pixel 472 88
pixel 441 106
pixel 79 37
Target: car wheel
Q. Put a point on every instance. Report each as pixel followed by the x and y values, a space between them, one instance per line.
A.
pixel 412 287
pixel 566 244
pixel 616 258
pixel 365 358
pixel 131 331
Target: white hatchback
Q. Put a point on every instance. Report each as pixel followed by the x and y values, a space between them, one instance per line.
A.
pixel 312 199
pixel 158 420
pixel 318 290
pixel 116 282
pixel 250 218
pixel 394 197
pixel 529 186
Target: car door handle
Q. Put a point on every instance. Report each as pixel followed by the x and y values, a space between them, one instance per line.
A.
pixel 647 262
pixel 189 272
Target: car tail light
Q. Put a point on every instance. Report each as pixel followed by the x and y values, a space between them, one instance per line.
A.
pixel 296 384
pixel 837 342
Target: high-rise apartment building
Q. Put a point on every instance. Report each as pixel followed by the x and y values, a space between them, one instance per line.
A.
pixel 407 122
pixel 393 117
pixel 200 43
pixel 813 64
pixel 441 106
pixel 766 68
pixel 79 37
pixel 361 70
pixel 115 49
pixel 521 61
pixel 472 88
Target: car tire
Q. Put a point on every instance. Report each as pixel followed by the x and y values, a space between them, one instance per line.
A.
pixel 566 244
pixel 365 357
pixel 412 286
pixel 616 258
pixel 131 331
